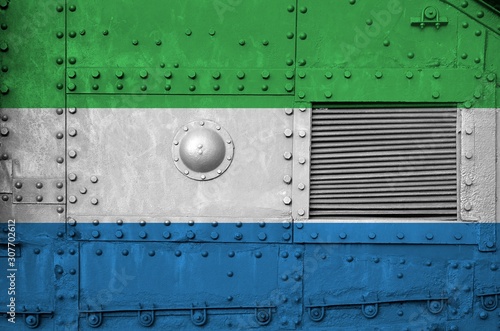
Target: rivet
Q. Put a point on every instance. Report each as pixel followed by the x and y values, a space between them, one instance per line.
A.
pixel 400 235
pixel 192 88
pixel 483 315
pixel 286 236
pixel 378 74
pixel 105 32
pixel 72 60
pixel 151 253
pixel 119 86
pixel 287 179
pixel 231 254
pixel 211 32
pixel 372 235
pixel 59 185
pixel 400 275
pixel 302 95
pixel 302 133
pixel 369 22
pixel 288 133
pixel 290 35
pixel 480 14
pixel 287 200
pixel 39 198
pixel 284 255
pixel 286 224
pixel 72 199
pixel 59 8
pixel 72 8
pixel 387 43
pixel 242 42
pixel 166 234
pixel 142 223
pixel 238 236
pixel 410 55
pixel 347 74
pixel 178 253
pixel 435 95
pixel 125 252
pixel 284 277
pixel 465 25
pixel 119 234
pixel 303 36
pixel 59 34
pixel 314 235
pixel 216 87
pixel 464 56
pixel 468 266
pixel 72 177
pixel 477 33
pixel 289 62
pixel 468 155
pixel 349 259
pixel 96 74
pixel 301 186
pixel 94 201
pixel 342 235
pixel 428 263
pixel 265 42
pixel 143 234
pixel 301 212
pixel 262 236
pixel 158 42
pixel 302 160
pixel 290 8
pixel 204 253
pixel 302 62
pixel 95 234
pixel 72 154
pixel 429 236
pixel 457 236
pixel 409 74
pixel 493 267
pixel 289 111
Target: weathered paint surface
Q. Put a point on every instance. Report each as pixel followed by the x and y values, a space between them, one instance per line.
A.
pixel 110 235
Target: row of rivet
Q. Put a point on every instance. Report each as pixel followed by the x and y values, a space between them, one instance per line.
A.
pixel 262 224
pixel 4 132
pixel 262 236
pixel 38 185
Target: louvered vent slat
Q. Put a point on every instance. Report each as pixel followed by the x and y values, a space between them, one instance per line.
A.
pixel 384 163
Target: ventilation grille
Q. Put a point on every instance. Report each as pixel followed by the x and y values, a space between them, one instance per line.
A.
pixel 386 163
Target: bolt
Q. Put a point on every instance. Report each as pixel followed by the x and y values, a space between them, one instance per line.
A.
pixel 287 179
pixel 287 200
pixel 287 155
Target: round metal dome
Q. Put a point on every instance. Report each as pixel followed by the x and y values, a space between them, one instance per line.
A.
pixel 202 150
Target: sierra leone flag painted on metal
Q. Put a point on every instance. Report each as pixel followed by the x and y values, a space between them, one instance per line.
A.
pixel 230 164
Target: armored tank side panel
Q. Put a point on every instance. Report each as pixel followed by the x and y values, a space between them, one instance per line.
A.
pixel 235 165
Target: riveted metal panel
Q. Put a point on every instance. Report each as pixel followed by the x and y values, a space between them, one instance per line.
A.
pixel 33 143
pixel 32 54
pixel 123 167
pixel 240 56
pixel 301 161
pixel 175 279
pixel 478 160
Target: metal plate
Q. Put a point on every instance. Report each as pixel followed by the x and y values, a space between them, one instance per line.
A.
pixel 123 166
